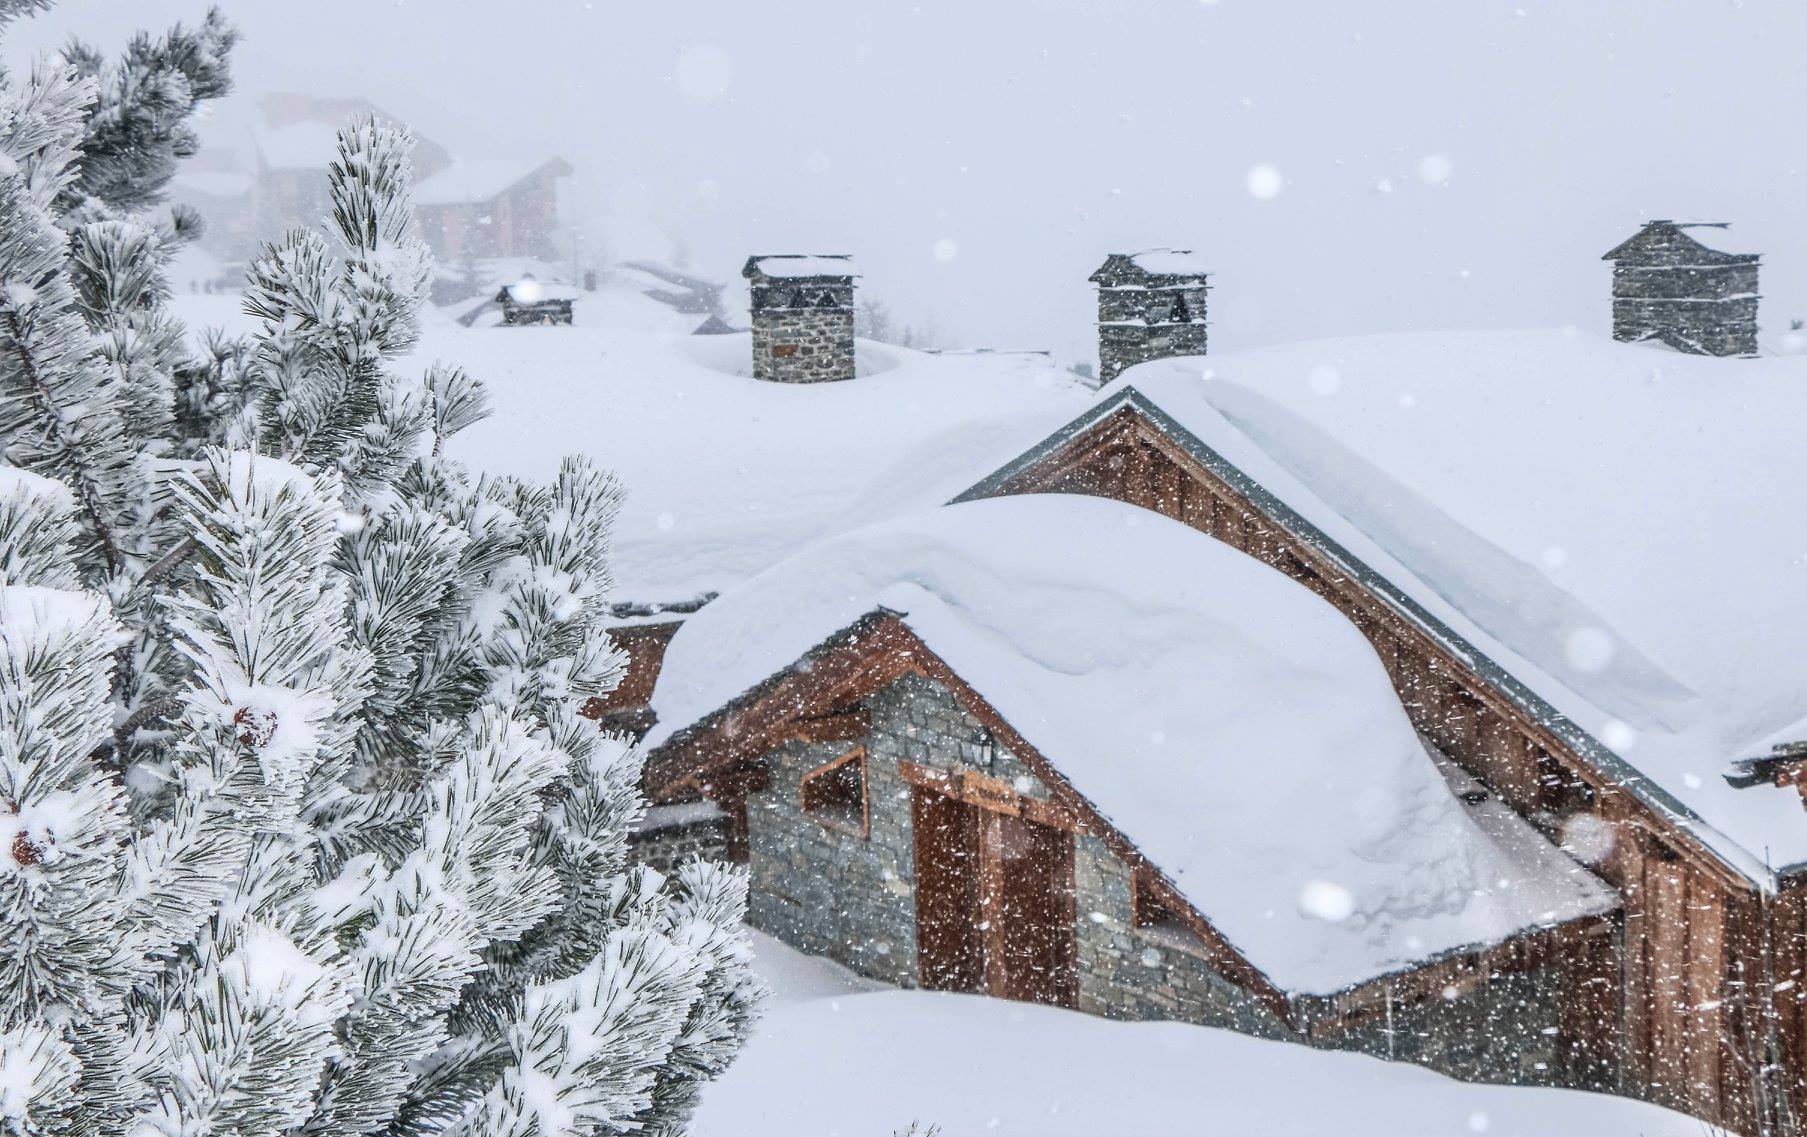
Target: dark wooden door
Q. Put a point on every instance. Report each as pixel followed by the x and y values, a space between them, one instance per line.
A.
pixel 1026 911
pixel 948 952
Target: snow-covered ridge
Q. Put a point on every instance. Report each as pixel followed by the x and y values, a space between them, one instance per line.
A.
pixel 1232 724
pixel 1616 525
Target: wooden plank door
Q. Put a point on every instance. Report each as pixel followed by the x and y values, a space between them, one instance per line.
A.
pixel 949 956
pixel 1026 911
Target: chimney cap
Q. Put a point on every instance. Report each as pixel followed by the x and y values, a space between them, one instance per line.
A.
pixel 1712 238
pixel 1181 264
pixel 796 266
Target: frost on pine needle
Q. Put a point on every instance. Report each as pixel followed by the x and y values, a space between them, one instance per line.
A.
pixel 300 827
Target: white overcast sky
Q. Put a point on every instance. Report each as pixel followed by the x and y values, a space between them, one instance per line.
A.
pixel 1444 163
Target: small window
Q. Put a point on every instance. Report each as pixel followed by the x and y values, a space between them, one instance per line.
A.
pixel 783 350
pixel 835 793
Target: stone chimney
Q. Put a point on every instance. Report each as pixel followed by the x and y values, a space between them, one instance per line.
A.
pixel 1151 305
pixel 1686 284
pixel 802 317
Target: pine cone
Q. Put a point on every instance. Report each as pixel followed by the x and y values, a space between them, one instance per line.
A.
pixel 24 852
pixel 255 726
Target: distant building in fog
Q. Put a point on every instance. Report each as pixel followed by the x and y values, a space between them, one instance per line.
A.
pixel 490 208
pixel 469 208
pixel 1686 284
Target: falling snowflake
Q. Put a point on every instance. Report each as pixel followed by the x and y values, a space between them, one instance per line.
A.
pixel 1327 901
pixel 1588 649
pixel 1434 169
pixel 1265 182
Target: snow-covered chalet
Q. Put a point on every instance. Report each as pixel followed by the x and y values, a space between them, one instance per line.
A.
pixel 1433 695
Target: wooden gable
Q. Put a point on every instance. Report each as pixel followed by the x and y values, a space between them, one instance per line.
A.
pixel 720 757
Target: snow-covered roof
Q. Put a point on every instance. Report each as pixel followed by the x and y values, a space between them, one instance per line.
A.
pixel 726 475
pixel 466 182
pixel 790 265
pixel 305 145
pixel 1234 726
pixel 1616 527
pixel 1170 262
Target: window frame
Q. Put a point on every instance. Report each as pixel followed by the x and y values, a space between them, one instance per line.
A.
pixel 823 812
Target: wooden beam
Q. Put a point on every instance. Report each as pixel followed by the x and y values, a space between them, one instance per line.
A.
pixel 991 794
pixel 838 727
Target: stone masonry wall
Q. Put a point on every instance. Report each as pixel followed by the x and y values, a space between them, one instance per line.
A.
pixel 1507 1031
pixel 673 834
pixel 1122 346
pixel 803 345
pixel 830 892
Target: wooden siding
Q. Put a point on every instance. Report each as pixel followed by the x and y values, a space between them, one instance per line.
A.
pixel 627 706
pixel 1688 917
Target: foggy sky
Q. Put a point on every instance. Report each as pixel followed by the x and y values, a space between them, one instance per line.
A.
pixel 980 157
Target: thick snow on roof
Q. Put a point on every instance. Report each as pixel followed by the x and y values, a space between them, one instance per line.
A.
pixel 465 181
pixel 1617 526
pixel 306 145
pixel 788 265
pixel 1170 262
pixel 1045 1072
pixel 1233 725
pixel 725 475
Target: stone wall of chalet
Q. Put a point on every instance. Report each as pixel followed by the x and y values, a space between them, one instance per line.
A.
pixel 849 895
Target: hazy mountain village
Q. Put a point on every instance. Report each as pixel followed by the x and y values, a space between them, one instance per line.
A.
pixel 463 673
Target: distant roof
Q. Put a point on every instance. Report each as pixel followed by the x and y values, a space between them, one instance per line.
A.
pixel 1523 491
pixel 1229 722
pixel 791 265
pixel 1713 237
pixel 467 182
pixel 308 145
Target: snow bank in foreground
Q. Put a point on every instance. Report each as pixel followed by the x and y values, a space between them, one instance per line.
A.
pixel 833 1060
pixel 1231 723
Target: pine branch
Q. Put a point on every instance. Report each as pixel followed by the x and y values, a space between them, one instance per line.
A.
pixel 69 448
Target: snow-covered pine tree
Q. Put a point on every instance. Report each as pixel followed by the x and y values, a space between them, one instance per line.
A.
pixel 373 874
pixel 90 357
